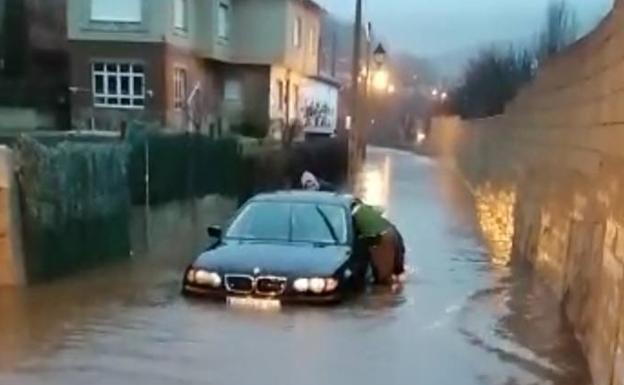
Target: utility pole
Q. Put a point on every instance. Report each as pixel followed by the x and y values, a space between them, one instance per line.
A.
pixel 365 118
pixel 286 133
pixel 355 132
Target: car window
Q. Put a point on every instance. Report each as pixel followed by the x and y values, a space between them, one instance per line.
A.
pixel 262 221
pixel 293 222
pixel 318 223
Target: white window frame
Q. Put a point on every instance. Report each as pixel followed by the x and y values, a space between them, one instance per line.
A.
pixel 297 28
pixel 223 21
pixel 113 11
pixel 181 14
pixel 180 87
pixel 109 70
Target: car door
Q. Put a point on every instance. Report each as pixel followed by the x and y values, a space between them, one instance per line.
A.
pixel 359 261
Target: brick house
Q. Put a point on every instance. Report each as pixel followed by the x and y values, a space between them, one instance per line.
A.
pixel 190 64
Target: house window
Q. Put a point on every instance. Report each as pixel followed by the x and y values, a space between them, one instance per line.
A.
pixel 280 95
pixel 180 14
pixel 232 90
pixel 223 21
pixel 118 85
pixel 180 84
pixel 297 32
pixel 124 11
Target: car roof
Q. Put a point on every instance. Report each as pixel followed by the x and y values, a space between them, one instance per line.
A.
pixel 304 196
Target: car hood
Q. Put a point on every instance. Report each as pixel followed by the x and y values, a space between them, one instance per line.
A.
pixel 274 259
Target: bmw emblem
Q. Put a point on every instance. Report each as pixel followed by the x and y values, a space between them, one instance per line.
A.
pixel 256 271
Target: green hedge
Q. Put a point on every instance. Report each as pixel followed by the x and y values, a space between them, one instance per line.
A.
pixel 75 204
pixel 76 193
pixel 183 166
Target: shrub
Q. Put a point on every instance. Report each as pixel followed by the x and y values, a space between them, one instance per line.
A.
pixel 252 130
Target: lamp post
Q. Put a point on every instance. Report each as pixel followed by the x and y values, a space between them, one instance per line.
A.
pixel 366 94
pixel 379 84
pixel 355 129
pixel 359 117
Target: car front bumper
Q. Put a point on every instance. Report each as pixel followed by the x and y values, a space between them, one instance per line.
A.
pixel 287 298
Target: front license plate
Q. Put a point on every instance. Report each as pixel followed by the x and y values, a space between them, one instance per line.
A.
pixel 254 303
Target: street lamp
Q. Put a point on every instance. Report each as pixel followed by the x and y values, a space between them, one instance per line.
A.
pixel 379 55
pixel 381 79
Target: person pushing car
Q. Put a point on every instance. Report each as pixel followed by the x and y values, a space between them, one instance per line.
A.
pixel 386 246
pixel 387 249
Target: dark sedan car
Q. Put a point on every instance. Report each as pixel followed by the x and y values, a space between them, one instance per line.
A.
pixel 293 246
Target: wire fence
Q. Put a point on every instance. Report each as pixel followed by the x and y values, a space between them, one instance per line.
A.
pixel 76 192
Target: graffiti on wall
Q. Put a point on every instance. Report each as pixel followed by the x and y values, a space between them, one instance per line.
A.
pixel 318 115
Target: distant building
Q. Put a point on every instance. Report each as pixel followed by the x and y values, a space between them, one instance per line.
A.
pixel 337 59
pixel 144 59
pixel 192 64
pixel 281 40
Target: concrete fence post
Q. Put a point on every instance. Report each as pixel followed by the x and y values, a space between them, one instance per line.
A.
pixel 12 263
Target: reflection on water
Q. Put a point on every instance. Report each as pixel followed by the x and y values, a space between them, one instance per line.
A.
pixel 457 321
pixel 36 320
pixel 374 183
pixel 495 214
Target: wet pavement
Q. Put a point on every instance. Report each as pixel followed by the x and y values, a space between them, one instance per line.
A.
pixel 464 317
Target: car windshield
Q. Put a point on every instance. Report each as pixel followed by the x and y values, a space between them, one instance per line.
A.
pixel 291 222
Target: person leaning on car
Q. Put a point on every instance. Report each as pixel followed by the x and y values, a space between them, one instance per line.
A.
pixel 386 247
pixel 387 250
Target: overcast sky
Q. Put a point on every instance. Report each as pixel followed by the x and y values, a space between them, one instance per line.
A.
pixel 433 28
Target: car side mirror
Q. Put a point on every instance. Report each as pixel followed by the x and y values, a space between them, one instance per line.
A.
pixel 215 232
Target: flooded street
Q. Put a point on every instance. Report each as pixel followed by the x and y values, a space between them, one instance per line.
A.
pixel 464 317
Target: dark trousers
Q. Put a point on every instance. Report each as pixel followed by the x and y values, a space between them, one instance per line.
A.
pixel 388 256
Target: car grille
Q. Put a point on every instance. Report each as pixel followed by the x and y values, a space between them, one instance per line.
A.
pixel 270 285
pixel 239 284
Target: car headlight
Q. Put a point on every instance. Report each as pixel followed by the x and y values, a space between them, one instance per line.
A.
pixel 203 277
pixel 331 284
pixel 301 285
pixel 190 276
pixel 317 285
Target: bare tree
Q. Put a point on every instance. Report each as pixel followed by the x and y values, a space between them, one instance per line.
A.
pixel 560 29
pixel 197 109
pixel 491 80
pixel 494 76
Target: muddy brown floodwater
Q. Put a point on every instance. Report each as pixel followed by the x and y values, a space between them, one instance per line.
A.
pixel 461 318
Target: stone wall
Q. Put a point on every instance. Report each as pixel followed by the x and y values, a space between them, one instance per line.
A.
pixel 550 172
